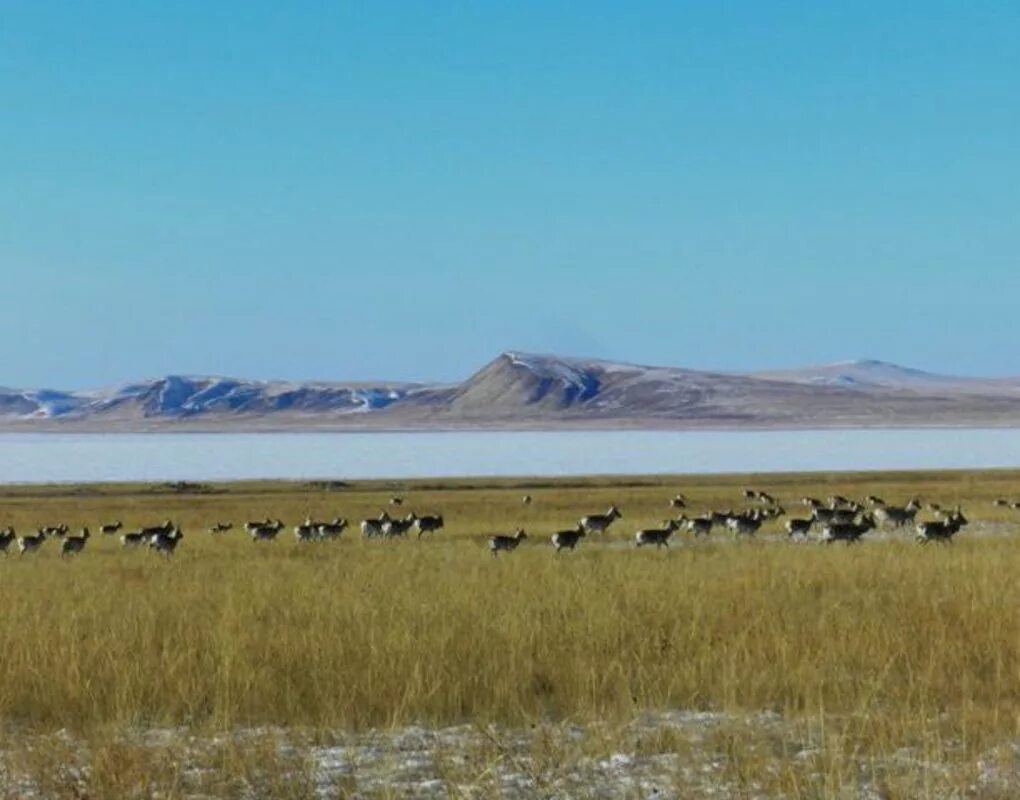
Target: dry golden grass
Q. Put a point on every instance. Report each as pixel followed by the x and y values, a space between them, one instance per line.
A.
pixel 876 647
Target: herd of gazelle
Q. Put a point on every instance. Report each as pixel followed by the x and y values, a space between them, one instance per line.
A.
pixel 836 519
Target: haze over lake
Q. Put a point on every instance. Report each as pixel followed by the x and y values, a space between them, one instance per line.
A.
pixel 40 458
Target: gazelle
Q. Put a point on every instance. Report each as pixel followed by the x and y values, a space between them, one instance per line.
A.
pixel 6 538
pixel 134 538
pixel 74 544
pixel 265 532
pixel 166 543
pixel 799 527
pixel 333 529
pixel 111 527
pixel 942 530
pixel 567 540
pixel 700 526
pixel 430 523
pixel 896 516
pixel 370 528
pixel 599 523
pixel 399 527
pixel 849 532
pixel 657 536
pixel 29 544
pixel 506 543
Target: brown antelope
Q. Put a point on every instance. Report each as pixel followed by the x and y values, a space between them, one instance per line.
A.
pixel 700 526
pixel 166 543
pixel 942 530
pixel 799 527
pixel 567 540
pixel 6 538
pixel 897 517
pixel 111 527
pixel 599 523
pixel 399 527
pixel 508 544
pixel 746 524
pixel 265 532
pixel 657 536
pixel 29 544
pixel 849 532
pixel 74 544
pixel 371 528
pixel 134 538
pixel 332 529
pixel 221 527
pixel 430 523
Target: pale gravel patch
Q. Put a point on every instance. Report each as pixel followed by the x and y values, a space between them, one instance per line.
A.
pixel 668 755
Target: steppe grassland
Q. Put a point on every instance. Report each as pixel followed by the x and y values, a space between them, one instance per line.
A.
pixel 875 648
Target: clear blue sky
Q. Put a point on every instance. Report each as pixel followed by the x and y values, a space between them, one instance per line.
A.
pixel 402 190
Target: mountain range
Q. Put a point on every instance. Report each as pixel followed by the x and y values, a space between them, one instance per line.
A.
pixel 523 390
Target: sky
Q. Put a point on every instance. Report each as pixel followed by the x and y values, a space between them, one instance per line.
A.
pixel 403 190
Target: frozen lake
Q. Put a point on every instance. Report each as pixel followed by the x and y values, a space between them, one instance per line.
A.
pixel 35 458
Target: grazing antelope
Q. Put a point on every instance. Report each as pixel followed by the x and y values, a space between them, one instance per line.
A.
pixel 799 527
pixel 74 544
pixel 849 532
pixel 396 500
pixel 111 527
pixel 134 538
pixel 526 500
pixel 166 543
pixel 265 532
pixel 399 527
pixel 599 523
pixel 657 536
pixel 678 502
pixel 332 530
pixel 221 527
pixel 6 538
pixel 371 528
pixel 29 544
pixel 506 543
pixel 942 530
pixel 567 540
pixel 430 523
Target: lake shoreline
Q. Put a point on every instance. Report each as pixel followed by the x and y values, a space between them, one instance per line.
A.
pixel 40 458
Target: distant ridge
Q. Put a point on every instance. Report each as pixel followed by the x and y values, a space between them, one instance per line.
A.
pixel 529 390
